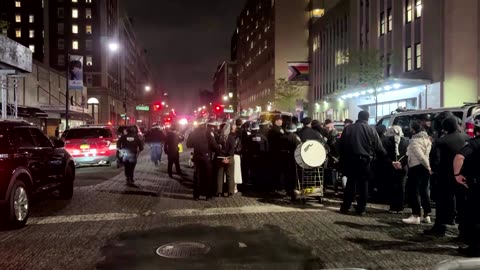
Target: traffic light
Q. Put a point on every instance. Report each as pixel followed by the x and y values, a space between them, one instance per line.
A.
pixel 218 109
pixel 157 106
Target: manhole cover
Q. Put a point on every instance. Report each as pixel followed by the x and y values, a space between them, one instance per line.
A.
pixel 180 250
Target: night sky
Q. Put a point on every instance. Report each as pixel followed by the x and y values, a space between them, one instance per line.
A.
pixel 186 40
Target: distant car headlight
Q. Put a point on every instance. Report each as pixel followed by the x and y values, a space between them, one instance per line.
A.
pixel 195 123
pixel 183 121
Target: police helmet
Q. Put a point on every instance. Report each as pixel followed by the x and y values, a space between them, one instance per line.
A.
pixel 254 126
pixel 291 128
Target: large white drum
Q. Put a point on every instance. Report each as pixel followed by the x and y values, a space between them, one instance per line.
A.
pixel 310 154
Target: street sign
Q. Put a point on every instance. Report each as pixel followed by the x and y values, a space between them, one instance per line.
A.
pixel 228 110
pixel 142 108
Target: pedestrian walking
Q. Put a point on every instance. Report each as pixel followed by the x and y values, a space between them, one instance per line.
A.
pixel 173 139
pixel 256 152
pixel 358 148
pixel 444 152
pixel 225 163
pixel 129 145
pixel 467 176
pixel 419 172
pixel 291 141
pixel 397 165
pixel 155 138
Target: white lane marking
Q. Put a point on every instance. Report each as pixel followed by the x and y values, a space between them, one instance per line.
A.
pixel 238 210
pixel 81 218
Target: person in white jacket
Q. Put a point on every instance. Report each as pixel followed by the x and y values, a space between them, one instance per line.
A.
pixel 419 172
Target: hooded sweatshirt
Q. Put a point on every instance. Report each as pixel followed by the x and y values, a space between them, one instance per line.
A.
pixel 418 150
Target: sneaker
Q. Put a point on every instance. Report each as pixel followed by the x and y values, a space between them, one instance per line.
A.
pixel 426 220
pixel 399 212
pixel 411 220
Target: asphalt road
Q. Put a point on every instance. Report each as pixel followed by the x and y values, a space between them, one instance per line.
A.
pixel 110 226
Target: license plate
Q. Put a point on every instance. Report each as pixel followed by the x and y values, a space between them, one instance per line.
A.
pixel 84 146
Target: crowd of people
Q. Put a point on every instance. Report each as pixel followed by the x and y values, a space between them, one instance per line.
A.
pixel 262 155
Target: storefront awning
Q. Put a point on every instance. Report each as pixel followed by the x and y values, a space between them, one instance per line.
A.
pixel 78 116
pixel 26 112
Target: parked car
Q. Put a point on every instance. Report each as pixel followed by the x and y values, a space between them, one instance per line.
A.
pixel 30 163
pixel 92 145
pixel 404 119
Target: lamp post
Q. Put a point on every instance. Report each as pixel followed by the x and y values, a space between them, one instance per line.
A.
pixel 115 47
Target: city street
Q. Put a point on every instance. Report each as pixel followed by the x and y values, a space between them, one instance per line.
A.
pixel 110 226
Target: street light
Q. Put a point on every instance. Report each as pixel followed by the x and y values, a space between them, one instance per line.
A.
pixel 163 103
pixel 225 98
pixel 113 46
pixel 147 88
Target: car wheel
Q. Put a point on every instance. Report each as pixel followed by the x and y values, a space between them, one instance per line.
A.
pixel 18 205
pixel 66 189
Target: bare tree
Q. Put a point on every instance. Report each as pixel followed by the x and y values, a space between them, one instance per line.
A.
pixel 3 26
pixel 365 69
pixel 286 94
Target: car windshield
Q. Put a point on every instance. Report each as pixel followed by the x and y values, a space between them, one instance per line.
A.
pixel 88 133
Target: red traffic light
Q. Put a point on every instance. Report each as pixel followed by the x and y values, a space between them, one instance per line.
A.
pixel 218 109
pixel 157 106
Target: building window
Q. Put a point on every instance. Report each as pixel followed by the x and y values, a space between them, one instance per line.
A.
pixel 88 1
pixel 418 8
pixel 18 4
pixel 60 12
pixel 31 47
pixel 60 44
pixel 389 20
pixel 408 11
pixel 61 60
pixel 88 29
pixel 18 18
pixel 74 28
pixel 88 44
pixel 266 44
pixel 74 13
pixel 382 23
pixel 89 61
pixel 18 33
pixel 88 13
pixel 251 45
pixel 60 28
pixel 30 18
pixel 75 44
pixel 31 33
pixel 408 58
pixel 74 1
pixel 418 56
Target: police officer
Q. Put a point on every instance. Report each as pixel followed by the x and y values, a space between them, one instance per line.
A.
pixel 203 142
pixel 173 139
pixel 130 146
pixel 256 151
pixel 290 143
pixel 264 127
pixel 275 137
pixel 467 175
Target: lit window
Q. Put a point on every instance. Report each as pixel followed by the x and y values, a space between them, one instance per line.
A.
pixel 88 44
pixel 418 56
pixel 18 18
pixel 30 18
pixel 75 44
pixel 74 1
pixel 31 47
pixel 89 61
pixel 74 13
pixel 256 25
pixel 61 44
pixel 259 36
pixel 418 8
pixel 389 20
pixel 409 58
pixel 409 11
pixel 74 28
pixel 61 60
pixel 88 29
pixel 248 37
pixel 317 13
pixel 266 44
pixel 31 34
pixel 248 12
pixel 88 1
pixel 18 4
pixel 88 13
pixel 382 23
pixel 18 33
pixel 251 45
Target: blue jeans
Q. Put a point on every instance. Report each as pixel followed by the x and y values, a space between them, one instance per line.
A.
pixel 156 152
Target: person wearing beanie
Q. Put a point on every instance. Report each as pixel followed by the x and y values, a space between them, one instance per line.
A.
pixel 308 133
pixel 443 155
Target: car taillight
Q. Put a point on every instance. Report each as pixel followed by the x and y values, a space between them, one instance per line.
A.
pixel 469 129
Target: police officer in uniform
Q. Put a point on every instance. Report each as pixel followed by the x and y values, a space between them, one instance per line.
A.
pixel 275 137
pixel 203 142
pixel 467 175
pixel 130 146
pixel 289 145
pixel 264 127
pixel 256 151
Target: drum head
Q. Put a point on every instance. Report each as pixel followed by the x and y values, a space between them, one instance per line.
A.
pixel 313 153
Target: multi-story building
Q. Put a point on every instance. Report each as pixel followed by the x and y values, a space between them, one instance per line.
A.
pixel 224 86
pixel 271 34
pixel 444 75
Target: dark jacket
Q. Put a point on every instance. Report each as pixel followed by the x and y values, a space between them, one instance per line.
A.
pixel 256 145
pixel 228 147
pixel 290 143
pixel 171 143
pixel 203 142
pixel 444 152
pixel 308 133
pixel 360 140
pixel 130 143
pixel 264 130
pixel 155 135
pixel 274 137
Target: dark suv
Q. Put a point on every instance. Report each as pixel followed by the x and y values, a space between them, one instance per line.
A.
pixel 30 164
